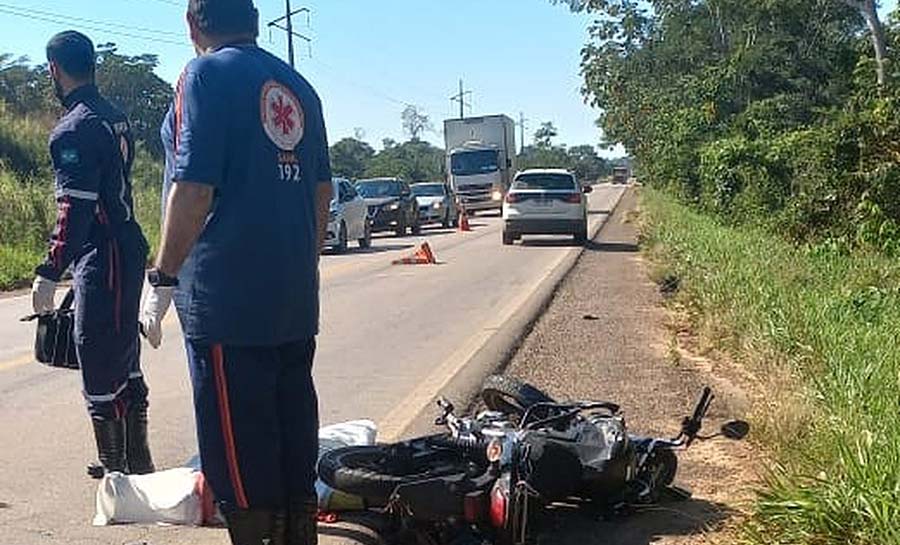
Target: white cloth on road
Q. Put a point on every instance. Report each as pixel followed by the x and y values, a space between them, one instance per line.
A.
pixel 180 496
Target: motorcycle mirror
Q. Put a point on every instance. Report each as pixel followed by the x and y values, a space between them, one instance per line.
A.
pixel 735 430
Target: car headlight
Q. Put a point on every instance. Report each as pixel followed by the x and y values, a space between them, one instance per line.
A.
pixel 438 205
pixel 497 196
pixel 394 206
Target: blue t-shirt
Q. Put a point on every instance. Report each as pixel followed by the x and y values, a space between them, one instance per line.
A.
pixel 251 127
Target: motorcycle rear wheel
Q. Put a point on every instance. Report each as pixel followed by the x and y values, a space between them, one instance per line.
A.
pixel 375 472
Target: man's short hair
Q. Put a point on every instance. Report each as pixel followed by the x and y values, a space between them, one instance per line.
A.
pixel 225 17
pixel 74 53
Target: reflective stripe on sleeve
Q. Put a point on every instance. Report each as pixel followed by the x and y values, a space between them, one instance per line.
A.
pixel 78 194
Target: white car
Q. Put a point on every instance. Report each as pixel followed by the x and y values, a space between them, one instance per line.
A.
pixel 545 202
pixel 347 218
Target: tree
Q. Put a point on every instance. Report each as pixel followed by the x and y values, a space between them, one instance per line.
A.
pixel 415 160
pixel 130 84
pixel 415 122
pixel 350 158
pixel 586 164
pixel 543 137
pixel 25 89
pixel 869 11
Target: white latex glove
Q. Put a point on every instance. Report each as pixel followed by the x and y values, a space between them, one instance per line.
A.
pixel 42 293
pixel 154 305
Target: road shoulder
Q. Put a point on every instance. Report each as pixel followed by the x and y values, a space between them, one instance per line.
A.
pixel 605 335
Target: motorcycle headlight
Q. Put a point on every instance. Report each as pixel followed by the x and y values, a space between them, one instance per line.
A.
pixel 497 196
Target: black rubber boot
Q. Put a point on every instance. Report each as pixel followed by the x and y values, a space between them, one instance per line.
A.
pixel 137 447
pixel 302 523
pixel 256 527
pixel 110 436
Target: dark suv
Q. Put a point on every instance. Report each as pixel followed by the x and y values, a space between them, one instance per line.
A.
pixel 391 205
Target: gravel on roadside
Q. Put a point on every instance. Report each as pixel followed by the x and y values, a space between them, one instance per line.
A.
pixel 604 337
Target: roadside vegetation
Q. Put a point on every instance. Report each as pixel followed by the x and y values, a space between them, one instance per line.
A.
pixel 819 328
pixel 769 136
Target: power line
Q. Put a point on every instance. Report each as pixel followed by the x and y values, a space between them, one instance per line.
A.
pixel 63 20
pixel 93 21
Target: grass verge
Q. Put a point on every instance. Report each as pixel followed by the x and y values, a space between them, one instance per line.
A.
pixel 828 323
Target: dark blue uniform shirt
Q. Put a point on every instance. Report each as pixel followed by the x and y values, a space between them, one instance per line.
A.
pixel 251 127
pixel 92 150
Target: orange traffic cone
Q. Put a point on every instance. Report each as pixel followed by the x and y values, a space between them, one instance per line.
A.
pixel 422 256
pixel 464 221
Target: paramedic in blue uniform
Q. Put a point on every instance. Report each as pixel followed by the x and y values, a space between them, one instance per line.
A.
pixel 247 190
pixel 96 233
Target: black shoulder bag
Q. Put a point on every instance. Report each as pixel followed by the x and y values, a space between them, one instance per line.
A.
pixel 54 343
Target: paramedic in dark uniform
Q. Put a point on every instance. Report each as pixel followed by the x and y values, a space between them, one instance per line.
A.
pixel 96 233
pixel 247 193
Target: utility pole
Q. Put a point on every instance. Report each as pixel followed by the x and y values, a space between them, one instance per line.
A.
pixel 461 98
pixel 289 28
pixel 522 122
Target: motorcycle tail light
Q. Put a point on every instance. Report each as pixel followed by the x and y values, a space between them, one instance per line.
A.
pixel 499 503
pixel 494 451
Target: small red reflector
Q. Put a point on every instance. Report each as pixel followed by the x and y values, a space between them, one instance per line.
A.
pixel 473 507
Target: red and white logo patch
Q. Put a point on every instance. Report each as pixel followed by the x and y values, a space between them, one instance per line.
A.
pixel 282 117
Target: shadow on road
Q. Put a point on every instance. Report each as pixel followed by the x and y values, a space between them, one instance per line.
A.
pixel 612 247
pixel 560 242
pixel 571 525
pixel 355 529
pixel 370 250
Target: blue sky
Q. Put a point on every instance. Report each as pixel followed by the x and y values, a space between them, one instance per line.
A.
pixel 367 59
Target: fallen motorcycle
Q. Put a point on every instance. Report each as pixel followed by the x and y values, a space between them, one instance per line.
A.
pixel 487 476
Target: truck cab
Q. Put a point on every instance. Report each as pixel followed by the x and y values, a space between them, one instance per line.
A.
pixel 476 176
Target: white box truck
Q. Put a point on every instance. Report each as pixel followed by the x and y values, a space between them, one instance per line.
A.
pixel 481 159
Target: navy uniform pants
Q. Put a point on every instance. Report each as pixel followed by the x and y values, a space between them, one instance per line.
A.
pixel 257 422
pixel 108 281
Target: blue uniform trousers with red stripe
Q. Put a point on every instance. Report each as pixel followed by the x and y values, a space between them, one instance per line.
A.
pixel 257 422
pixel 108 280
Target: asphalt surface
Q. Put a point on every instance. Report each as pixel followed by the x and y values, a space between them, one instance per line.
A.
pixel 385 330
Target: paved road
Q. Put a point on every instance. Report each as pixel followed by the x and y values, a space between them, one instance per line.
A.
pixel 385 329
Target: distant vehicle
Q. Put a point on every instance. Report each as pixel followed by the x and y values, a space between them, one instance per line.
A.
pixel 481 159
pixel 391 205
pixel 347 218
pixel 621 175
pixel 437 203
pixel 545 202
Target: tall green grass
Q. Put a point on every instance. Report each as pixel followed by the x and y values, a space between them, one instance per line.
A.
pixel 831 321
pixel 27 209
